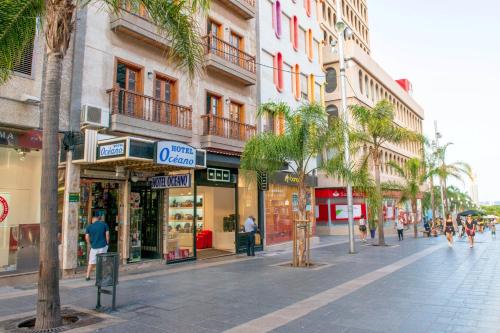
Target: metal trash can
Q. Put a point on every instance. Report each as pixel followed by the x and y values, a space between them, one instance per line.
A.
pixel 107 265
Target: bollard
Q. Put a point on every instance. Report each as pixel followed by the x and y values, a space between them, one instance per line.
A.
pixel 106 276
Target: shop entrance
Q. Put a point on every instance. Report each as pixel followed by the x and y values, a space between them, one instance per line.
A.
pixel 98 199
pixel 145 231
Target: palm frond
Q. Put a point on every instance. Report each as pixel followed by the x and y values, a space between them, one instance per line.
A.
pixel 18 26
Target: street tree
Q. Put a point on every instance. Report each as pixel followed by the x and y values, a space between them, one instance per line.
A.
pixel 413 175
pixel 377 128
pixel 302 134
pixel 19 22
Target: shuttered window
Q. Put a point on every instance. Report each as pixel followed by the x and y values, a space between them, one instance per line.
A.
pixel 25 66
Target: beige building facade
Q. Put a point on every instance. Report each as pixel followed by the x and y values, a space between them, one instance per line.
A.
pixel 367 83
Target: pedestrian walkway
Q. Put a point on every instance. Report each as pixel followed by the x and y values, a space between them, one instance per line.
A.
pixel 415 286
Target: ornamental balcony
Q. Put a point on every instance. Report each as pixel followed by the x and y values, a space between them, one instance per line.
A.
pixel 226 59
pixel 244 8
pixel 134 113
pixel 226 134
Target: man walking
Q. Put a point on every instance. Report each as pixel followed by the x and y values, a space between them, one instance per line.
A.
pixel 97 237
pixel 250 228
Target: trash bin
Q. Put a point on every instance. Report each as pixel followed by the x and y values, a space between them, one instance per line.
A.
pixel 107 265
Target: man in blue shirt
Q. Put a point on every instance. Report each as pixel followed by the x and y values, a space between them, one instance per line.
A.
pixel 97 237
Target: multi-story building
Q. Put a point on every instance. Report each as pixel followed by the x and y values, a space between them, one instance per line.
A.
pixel 20 164
pixel 154 152
pixel 367 83
pixel 289 54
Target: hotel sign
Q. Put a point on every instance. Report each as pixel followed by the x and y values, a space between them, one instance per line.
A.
pixel 172 181
pixel 175 154
pixel 111 150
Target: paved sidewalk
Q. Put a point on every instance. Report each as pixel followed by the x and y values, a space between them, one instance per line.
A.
pixel 413 286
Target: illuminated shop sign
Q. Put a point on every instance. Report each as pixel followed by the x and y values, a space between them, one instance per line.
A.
pixel 172 181
pixel 175 154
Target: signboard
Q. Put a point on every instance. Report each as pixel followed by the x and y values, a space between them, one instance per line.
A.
pixel 175 154
pixel 111 150
pixel 290 179
pixel 172 181
pixel 74 197
pixel 31 139
pixel 342 214
pixel 263 181
pixel 4 206
pixel 219 175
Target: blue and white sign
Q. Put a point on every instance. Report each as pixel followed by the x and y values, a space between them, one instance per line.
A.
pixel 175 154
pixel 111 150
pixel 172 181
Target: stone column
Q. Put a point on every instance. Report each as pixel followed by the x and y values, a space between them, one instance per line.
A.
pixel 70 216
pixel 124 222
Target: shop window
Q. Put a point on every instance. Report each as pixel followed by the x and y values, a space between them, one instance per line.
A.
pixel 307 6
pixel 296 82
pixel 277 18
pixel 309 45
pixel 294 32
pixel 278 71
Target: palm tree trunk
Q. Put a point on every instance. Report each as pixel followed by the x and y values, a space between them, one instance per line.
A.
pixel 302 216
pixel 48 305
pixel 415 222
pixel 381 237
pixel 445 199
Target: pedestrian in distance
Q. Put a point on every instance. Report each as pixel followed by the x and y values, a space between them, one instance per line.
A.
pixel 362 228
pixel 449 230
pixel 470 229
pixel 493 228
pixel 251 229
pixel 97 237
pixel 400 227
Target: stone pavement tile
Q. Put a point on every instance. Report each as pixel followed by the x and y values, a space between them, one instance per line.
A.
pixel 132 327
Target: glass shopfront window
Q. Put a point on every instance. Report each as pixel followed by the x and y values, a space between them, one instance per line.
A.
pixel 281 209
pixel 20 175
pixel 248 203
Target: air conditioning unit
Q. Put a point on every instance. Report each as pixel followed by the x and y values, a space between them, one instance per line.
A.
pixel 94 116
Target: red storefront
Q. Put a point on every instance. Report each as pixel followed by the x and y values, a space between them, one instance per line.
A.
pixel 331 204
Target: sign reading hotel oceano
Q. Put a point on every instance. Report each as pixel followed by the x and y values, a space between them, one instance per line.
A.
pixel 175 154
pixel 172 181
pixel 110 150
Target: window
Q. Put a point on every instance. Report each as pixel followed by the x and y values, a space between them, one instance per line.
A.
pixel 360 77
pixel 296 82
pixel 304 87
pixel 165 94
pixel 236 42
pixel 236 127
pixel 307 5
pixel 311 89
pixel 331 80
pixel 333 112
pixel 129 80
pixel 277 18
pixel 278 71
pixel 367 88
pixel 214 28
pixel 214 105
pixel 309 45
pixel 25 66
pixel 294 32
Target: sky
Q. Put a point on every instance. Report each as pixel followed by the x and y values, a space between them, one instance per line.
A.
pixel 450 51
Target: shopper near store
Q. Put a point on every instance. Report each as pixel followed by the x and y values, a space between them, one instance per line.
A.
pixel 251 229
pixel 493 228
pixel 362 228
pixel 470 229
pixel 97 237
pixel 449 230
pixel 400 227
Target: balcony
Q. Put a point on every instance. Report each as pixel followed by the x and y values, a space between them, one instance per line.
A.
pixel 134 113
pixel 135 23
pixel 225 59
pixel 224 133
pixel 244 8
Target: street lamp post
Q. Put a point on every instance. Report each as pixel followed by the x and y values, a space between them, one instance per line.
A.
pixel 342 29
pixel 441 160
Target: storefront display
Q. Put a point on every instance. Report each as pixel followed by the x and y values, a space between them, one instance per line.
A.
pixel 20 176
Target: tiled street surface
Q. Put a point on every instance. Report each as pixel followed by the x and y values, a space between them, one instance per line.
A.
pixel 414 286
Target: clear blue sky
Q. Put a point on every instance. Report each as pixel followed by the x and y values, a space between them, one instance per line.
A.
pixel 450 51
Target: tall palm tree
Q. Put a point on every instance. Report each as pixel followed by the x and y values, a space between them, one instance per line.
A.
pixel 305 135
pixel 18 26
pixel 445 171
pixel 377 128
pixel 413 173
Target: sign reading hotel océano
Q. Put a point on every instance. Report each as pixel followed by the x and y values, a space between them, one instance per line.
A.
pixel 172 181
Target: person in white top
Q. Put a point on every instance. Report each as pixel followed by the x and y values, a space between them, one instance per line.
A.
pixel 362 228
pixel 250 228
pixel 400 227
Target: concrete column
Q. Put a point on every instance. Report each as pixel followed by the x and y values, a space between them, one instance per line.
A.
pixel 329 214
pixel 124 222
pixel 70 216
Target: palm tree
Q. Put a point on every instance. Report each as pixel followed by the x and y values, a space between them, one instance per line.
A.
pixel 305 135
pixel 377 129
pixel 452 170
pixel 413 173
pixel 18 26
